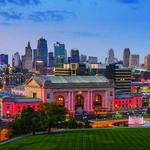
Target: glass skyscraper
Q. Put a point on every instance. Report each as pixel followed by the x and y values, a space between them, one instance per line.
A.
pixel 42 51
pixel 60 55
pixel 50 59
pixel 74 56
pixel 3 59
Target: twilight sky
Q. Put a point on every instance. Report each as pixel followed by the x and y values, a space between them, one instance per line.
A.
pixel 92 26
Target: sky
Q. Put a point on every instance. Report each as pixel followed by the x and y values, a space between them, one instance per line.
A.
pixel 92 26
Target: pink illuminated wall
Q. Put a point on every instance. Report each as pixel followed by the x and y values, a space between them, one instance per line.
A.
pixel 133 102
pixel 13 108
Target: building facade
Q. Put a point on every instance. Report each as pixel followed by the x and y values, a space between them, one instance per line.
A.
pixel 83 58
pixel 128 102
pixel 76 93
pixel 126 55
pixel 92 60
pixel 50 59
pixel 42 51
pixel 134 60
pixel 35 57
pixel 16 61
pixel 74 56
pixel 110 57
pixel 147 62
pixel 10 106
pixel 3 59
pixel 60 55
pixel 27 58
pixel 122 79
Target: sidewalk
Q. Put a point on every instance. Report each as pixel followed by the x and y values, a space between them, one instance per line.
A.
pixel 13 139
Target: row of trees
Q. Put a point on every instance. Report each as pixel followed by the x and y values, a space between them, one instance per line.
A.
pixel 47 117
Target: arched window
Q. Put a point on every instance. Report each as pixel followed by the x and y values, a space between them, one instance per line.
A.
pixel 97 100
pixel 60 101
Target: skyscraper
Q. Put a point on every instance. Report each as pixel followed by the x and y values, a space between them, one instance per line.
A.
pixel 3 60
pixel 110 57
pixel 74 56
pixel 83 58
pixel 27 58
pixel 42 51
pixel 134 60
pixel 50 59
pixel 92 60
pixel 35 56
pixel 60 55
pixel 147 62
pixel 126 55
pixel 16 62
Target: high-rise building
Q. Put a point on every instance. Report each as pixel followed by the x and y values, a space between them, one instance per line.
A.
pixel 16 62
pixel 35 56
pixel 39 65
pixel 42 51
pixel 74 56
pixel 60 55
pixel 147 62
pixel 83 58
pixel 3 60
pixel 134 60
pixel 122 79
pixel 92 60
pixel 110 57
pixel 126 55
pixel 50 59
pixel 27 58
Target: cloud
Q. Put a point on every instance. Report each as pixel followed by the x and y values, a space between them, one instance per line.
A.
pixel 50 15
pixel 129 1
pixel 86 34
pixel 20 2
pixel 11 15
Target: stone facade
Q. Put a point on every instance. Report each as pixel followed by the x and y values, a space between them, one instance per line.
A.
pixel 75 95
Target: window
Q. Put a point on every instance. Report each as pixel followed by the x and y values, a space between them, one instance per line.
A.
pixel 60 101
pixel 111 93
pixel 79 100
pixel 48 96
pixel 34 95
pixel 98 100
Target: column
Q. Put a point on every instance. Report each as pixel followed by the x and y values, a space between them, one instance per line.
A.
pixel 91 100
pixel 72 103
pixel 52 96
pixel 67 101
pixel 106 100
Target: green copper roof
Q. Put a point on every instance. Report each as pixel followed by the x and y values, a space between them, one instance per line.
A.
pixel 71 79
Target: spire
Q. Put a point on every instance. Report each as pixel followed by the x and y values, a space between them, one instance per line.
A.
pixel 29 45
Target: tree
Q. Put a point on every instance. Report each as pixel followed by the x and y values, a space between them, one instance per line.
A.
pixel 148 110
pixel 72 124
pixel 52 114
pixel 0 121
pixel 27 122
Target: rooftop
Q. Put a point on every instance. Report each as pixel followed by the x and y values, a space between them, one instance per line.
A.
pixel 71 79
pixel 16 98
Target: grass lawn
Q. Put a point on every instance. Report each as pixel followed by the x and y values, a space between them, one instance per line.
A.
pixel 95 139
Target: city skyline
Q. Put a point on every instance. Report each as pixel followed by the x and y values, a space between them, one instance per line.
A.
pixel 69 22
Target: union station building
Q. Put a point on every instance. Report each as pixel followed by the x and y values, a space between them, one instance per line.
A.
pixel 77 93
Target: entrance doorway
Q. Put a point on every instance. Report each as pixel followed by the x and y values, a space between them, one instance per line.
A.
pixel 79 104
